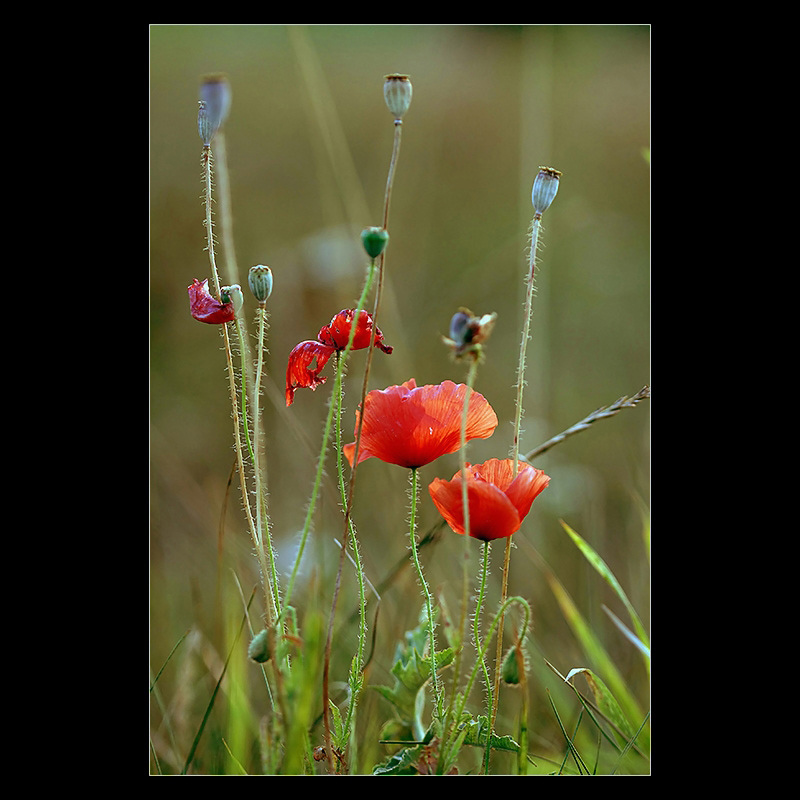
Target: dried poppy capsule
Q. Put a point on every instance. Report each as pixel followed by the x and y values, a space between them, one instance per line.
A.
pixel 545 186
pixel 215 102
pixel 397 92
pixel 206 308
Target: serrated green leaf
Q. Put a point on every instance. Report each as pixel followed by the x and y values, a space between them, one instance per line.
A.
pixel 476 731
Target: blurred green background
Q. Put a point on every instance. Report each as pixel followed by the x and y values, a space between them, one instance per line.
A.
pixel 308 142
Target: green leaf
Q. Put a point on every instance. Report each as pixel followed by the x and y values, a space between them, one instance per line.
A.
pixel 603 570
pixel 476 735
pixel 593 648
pixel 412 670
pixel 604 700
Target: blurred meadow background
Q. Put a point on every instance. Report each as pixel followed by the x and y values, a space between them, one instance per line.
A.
pixel 308 141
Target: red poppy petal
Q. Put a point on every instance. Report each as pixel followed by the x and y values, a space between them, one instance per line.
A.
pixel 206 308
pixel 491 513
pixel 337 333
pixel 526 487
pixel 411 426
pixel 306 361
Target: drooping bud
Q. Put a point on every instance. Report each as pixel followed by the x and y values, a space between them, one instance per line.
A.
pixel 374 241
pixel 215 101
pixel 545 186
pixel 397 92
pixel 259 650
pixel 260 281
pixel 513 666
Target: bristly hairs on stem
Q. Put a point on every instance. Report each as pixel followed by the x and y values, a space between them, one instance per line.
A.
pixel 397 91
pixel 545 187
pixel 466 336
pixel 213 108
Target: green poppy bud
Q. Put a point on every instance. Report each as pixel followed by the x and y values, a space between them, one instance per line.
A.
pixel 513 666
pixel 259 650
pixel 374 241
pixel 260 281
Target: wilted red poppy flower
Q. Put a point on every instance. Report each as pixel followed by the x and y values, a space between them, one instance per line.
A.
pixel 305 363
pixel 205 307
pixel 337 333
pixel 308 358
pixel 412 425
pixel 498 502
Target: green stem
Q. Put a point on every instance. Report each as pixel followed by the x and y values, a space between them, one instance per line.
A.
pixel 482 650
pixel 535 227
pixel 238 419
pixel 477 636
pixel 465 555
pixel 255 527
pixel 262 509
pixel 437 699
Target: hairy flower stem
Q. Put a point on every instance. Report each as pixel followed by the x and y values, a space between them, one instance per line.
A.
pixel 348 503
pixel 535 227
pixel 473 369
pixel 208 161
pixel 239 420
pixel 381 267
pixel 262 511
pixel 481 660
pixel 324 448
pixel 437 698
pixel 482 652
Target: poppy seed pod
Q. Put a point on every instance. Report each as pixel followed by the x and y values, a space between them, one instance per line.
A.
pixel 397 92
pixel 232 294
pixel 545 186
pixel 215 101
pixel 260 281
pixel 374 241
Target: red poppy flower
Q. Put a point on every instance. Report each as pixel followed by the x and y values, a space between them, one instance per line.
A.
pixel 206 308
pixel 498 502
pixel 307 360
pixel 337 333
pixel 412 425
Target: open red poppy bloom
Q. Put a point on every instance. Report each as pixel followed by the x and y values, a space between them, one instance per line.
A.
pixel 498 502
pixel 308 358
pixel 412 425
pixel 204 307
